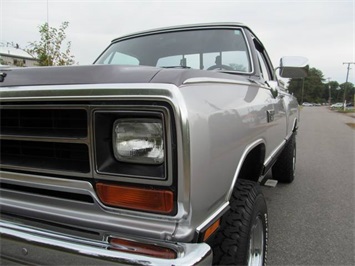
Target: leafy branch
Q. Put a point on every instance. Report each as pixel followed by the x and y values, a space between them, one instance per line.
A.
pixel 48 50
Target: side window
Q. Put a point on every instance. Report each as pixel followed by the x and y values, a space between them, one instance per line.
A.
pixel 265 72
pixel 121 59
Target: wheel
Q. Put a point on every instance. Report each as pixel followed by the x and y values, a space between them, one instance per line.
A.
pixel 242 237
pixel 284 168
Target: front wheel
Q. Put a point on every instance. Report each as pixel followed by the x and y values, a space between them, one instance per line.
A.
pixel 242 237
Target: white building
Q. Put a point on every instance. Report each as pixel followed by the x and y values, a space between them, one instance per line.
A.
pixel 15 57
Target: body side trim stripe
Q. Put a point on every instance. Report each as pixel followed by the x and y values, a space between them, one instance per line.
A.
pixel 272 155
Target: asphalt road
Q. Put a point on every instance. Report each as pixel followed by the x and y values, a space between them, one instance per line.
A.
pixel 311 221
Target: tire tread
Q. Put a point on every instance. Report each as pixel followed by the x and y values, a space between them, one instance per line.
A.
pixel 229 243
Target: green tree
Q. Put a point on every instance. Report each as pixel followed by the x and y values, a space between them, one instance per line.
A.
pixel 337 91
pixel 350 90
pixel 333 88
pixel 313 89
pixel 48 50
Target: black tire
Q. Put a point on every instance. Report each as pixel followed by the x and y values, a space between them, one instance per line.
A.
pixel 284 168
pixel 247 215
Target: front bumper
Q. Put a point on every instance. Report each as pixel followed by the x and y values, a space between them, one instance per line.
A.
pixel 23 245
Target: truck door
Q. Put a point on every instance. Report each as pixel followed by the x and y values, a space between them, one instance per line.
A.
pixel 276 111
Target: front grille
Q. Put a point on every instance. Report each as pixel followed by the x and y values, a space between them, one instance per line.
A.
pixel 44 122
pixel 43 139
pixel 45 155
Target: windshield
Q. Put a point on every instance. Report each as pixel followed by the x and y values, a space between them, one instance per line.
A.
pixel 209 49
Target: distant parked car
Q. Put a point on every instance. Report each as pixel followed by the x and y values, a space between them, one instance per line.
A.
pixel 337 105
pixel 307 104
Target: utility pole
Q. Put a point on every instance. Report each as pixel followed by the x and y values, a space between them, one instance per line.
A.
pixel 346 82
pixel 330 95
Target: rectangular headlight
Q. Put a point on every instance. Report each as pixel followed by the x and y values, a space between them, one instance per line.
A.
pixel 138 140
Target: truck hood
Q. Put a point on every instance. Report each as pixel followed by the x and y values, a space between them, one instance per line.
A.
pixel 100 74
pixel 64 75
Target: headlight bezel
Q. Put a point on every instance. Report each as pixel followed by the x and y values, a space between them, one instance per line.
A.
pixel 106 165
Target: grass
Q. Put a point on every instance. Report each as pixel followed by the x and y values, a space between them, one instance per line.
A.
pixel 347 111
pixel 352 125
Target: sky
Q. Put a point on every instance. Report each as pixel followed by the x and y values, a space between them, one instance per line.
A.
pixel 323 31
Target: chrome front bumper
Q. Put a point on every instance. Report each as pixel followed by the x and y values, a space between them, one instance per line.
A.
pixel 22 245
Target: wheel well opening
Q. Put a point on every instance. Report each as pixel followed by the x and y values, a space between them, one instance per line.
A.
pixel 253 164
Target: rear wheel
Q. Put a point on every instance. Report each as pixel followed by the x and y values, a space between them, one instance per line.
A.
pixel 285 166
pixel 242 237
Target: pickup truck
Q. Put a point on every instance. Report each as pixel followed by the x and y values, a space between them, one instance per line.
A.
pixel 150 156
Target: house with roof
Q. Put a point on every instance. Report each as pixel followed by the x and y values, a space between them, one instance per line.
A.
pixel 13 56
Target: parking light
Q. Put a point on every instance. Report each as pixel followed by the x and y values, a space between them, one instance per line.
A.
pixel 151 200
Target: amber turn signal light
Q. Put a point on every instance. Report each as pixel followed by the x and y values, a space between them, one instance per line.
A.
pixel 142 248
pixel 151 200
pixel 210 230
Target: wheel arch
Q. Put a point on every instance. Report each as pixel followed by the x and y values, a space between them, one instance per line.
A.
pixel 254 152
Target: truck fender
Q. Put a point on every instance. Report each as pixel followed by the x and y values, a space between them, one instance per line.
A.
pixel 246 151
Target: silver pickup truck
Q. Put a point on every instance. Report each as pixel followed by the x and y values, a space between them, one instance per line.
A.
pixel 150 156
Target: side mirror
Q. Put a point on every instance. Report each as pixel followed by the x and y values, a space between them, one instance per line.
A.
pixel 293 67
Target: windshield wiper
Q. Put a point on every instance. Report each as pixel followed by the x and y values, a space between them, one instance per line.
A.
pixel 187 67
